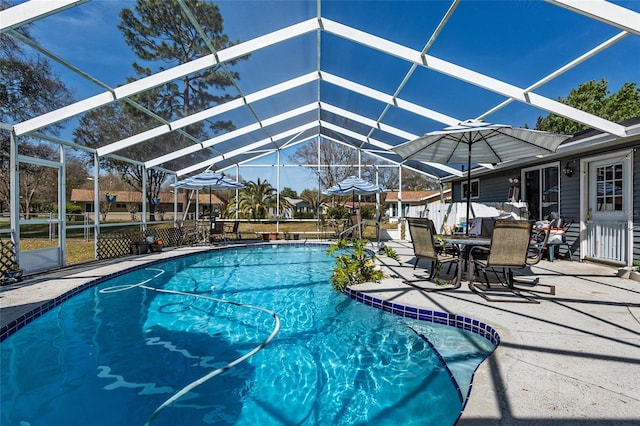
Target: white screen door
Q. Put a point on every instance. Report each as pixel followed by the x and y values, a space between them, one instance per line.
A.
pixel 609 204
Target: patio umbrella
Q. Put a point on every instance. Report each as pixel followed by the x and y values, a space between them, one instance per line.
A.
pixel 481 142
pixel 208 179
pixel 354 185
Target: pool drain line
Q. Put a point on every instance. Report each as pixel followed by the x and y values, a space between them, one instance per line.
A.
pixel 216 372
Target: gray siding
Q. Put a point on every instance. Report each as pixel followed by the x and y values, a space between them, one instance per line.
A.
pixel 636 203
pixel 494 187
pixel 570 206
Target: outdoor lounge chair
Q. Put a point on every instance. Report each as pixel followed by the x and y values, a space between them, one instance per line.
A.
pixel 375 223
pixel 510 245
pixel 353 228
pixel 422 236
pixel 231 228
pixel 218 232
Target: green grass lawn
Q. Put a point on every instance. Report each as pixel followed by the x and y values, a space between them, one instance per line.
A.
pixel 34 237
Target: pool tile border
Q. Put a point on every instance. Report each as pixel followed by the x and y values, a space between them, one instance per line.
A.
pixel 450 319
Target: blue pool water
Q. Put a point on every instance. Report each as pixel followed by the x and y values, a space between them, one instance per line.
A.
pixel 114 354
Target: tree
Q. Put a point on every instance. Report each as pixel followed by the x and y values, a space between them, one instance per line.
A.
pixel 160 33
pixel 311 198
pixel 288 192
pixel 159 30
pixel 28 88
pixel 330 154
pixel 257 197
pixel 346 157
pixel 414 181
pixel 592 97
pixel 76 172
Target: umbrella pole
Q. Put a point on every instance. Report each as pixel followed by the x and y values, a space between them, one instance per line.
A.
pixel 468 194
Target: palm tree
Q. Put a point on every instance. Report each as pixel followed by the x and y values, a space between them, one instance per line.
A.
pixel 256 198
pixel 312 198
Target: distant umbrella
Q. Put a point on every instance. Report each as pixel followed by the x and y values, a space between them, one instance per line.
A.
pixel 208 179
pixel 355 186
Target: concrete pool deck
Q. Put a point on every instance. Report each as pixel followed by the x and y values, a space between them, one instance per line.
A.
pixel 574 358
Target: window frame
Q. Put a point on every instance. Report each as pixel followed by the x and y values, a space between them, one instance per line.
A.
pixel 474 194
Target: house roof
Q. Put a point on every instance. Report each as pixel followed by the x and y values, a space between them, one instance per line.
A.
pixel 369 75
pixel 86 195
pixel 414 196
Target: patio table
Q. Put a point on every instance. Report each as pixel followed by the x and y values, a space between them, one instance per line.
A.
pixel 464 243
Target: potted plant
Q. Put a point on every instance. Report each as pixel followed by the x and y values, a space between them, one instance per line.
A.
pixel 14 272
pixel 286 231
pixel 156 245
pixel 111 197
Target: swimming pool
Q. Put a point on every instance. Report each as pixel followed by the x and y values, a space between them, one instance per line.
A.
pixel 116 353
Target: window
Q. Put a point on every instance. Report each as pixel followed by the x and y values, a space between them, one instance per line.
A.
pixel 609 188
pixel 542 190
pixel 475 189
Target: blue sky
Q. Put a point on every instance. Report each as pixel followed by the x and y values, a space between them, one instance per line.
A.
pixel 516 41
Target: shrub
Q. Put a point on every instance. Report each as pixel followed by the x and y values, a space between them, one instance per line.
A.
pixel 368 211
pixel 337 212
pixel 356 265
pixel 303 215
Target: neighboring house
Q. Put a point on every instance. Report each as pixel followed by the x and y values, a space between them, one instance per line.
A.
pixel 592 181
pixel 413 203
pixel 131 201
pixel 298 205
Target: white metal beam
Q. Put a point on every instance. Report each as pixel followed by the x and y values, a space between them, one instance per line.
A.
pixel 230 135
pixel 472 77
pixel 247 148
pixel 388 99
pixel 233 52
pixel 604 11
pixel 206 114
pixel 33 10
pixel 63 113
pixel 379 144
pixel 591 53
pixel 422 172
